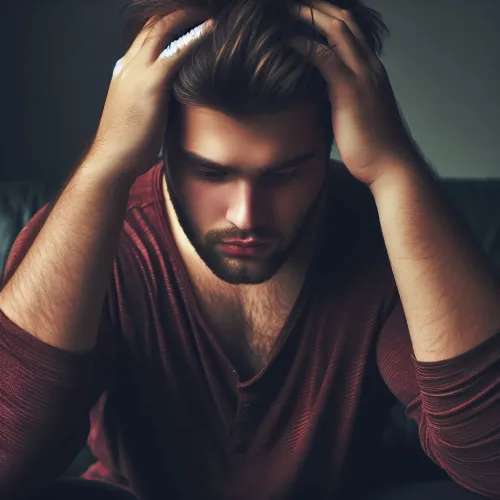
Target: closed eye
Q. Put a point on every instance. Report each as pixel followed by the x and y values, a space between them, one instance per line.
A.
pixel 284 171
pixel 210 173
pixel 283 175
pixel 219 174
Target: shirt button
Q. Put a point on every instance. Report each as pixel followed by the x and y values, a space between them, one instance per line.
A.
pixel 247 406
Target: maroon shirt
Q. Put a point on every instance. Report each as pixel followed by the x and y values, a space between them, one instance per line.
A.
pixel 167 416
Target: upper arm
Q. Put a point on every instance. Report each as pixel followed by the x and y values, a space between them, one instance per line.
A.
pixel 30 367
pixel 104 351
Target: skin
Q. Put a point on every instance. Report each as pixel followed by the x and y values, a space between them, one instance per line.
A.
pixel 207 206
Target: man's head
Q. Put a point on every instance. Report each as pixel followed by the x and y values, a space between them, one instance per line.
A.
pixel 244 98
pixel 233 180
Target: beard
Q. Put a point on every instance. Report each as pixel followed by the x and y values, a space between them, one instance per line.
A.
pixel 247 271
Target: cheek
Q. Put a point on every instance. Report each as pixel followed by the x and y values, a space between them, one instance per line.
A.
pixel 288 204
pixel 203 202
pixel 292 202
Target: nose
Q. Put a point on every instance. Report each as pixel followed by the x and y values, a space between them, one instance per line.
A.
pixel 245 211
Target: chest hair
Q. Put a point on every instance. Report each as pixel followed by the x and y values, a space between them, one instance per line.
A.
pixel 247 327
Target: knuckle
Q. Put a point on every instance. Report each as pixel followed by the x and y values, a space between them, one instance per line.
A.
pixel 149 26
pixel 364 73
pixel 345 14
pixel 176 17
pixel 337 23
pixel 323 52
pixel 148 39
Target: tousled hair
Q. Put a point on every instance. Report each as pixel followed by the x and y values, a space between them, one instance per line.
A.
pixel 245 66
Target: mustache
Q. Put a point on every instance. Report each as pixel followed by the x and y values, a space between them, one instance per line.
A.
pixel 258 234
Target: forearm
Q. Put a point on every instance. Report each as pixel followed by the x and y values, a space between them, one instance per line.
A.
pixel 56 293
pixel 448 291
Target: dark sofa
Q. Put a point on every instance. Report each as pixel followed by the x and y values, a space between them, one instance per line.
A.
pixel 477 201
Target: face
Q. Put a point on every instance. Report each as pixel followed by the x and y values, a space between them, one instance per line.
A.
pixel 261 179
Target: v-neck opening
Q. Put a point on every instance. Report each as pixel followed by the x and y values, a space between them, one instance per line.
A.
pixel 187 288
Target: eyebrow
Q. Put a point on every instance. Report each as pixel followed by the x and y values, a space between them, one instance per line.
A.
pixel 292 162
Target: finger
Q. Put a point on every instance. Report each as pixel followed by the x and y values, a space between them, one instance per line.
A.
pixel 323 57
pixel 337 33
pixel 163 31
pixel 141 36
pixel 136 45
pixel 177 49
pixel 347 17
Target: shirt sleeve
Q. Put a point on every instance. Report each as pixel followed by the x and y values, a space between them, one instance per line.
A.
pixel 455 402
pixel 46 393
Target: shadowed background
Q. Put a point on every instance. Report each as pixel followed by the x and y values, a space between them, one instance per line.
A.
pixel 58 57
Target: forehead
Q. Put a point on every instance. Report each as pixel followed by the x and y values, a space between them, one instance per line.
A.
pixel 260 140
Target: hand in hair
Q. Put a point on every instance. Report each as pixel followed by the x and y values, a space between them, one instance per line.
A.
pixel 371 135
pixel 134 118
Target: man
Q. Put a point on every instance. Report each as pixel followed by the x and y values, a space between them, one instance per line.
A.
pixel 264 301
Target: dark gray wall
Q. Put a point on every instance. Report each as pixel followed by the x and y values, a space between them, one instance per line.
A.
pixel 58 56
pixel 443 59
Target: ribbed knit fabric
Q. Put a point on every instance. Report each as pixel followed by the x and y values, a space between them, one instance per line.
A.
pixel 166 415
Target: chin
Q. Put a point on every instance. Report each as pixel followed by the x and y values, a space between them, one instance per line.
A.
pixel 243 278
pixel 244 273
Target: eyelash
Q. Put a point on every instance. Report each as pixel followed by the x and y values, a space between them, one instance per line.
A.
pixel 214 176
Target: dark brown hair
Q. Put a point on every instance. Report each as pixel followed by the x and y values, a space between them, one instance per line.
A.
pixel 245 67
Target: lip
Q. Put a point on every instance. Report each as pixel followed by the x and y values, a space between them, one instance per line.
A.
pixel 246 243
pixel 242 250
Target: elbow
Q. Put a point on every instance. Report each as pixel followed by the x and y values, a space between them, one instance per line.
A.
pixel 475 466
